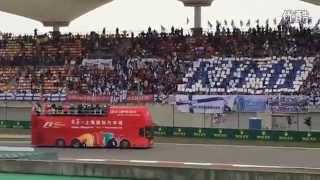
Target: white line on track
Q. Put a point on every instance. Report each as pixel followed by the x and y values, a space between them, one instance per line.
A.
pixel 190 163
pixel 239 146
pixel 91 160
pixel 203 145
pixel 15 142
pixel 14 149
pixel 142 161
pixel 198 164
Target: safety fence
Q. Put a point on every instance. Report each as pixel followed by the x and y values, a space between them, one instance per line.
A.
pixel 210 133
pixel 15 124
pixel 238 134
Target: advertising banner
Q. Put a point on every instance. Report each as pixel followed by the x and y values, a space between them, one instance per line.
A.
pixel 102 63
pixel 32 97
pixel 252 103
pixel 110 99
pixel 288 103
pixel 204 103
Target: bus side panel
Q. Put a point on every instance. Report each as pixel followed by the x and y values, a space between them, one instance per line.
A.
pixel 93 131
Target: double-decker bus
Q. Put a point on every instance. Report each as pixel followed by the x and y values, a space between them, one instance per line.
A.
pixel 113 127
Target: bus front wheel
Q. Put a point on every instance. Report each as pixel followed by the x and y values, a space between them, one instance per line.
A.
pixel 60 143
pixel 124 144
pixel 75 143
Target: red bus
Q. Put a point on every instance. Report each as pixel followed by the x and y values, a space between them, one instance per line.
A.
pixel 114 127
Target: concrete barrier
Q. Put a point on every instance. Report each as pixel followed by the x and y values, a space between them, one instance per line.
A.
pixel 28 155
pixel 156 171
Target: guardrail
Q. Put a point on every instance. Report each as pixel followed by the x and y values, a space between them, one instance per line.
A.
pixel 209 133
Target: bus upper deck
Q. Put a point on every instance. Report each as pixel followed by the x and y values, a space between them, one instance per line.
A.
pixel 70 109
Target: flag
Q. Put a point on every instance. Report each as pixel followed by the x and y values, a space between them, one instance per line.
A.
pixel 248 23
pixel 163 29
pixel 257 21
pixel 232 23
pixel 218 23
pixel 209 24
pixel 241 23
pixel 282 21
pixel 225 22
pixel 275 21
pixel 317 24
pixel 285 21
pixel 188 20
pixel 267 22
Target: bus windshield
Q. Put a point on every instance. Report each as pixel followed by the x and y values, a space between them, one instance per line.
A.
pixel 146 132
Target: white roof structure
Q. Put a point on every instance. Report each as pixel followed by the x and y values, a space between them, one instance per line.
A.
pixel 51 12
pixel 196 2
pixel 316 2
pixel 59 13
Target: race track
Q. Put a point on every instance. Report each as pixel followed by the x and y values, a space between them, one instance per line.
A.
pixel 195 154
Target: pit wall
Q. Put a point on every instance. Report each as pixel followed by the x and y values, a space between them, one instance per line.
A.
pixel 154 171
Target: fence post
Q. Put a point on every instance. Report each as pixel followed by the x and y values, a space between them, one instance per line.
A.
pixel 173 118
pixel 204 117
pixel 238 113
pixel 298 122
pixel 5 110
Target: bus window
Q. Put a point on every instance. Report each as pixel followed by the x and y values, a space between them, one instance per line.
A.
pixel 146 132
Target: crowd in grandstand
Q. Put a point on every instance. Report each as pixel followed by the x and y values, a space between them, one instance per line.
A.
pixel 156 63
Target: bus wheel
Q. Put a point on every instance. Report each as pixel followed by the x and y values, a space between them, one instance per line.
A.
pixel 76 143
pixel 112 143
pixel 60 143
pixel 124 144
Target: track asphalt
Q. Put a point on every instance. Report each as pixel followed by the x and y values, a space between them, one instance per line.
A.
pixel 295 157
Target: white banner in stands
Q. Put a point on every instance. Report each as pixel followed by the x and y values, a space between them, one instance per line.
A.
pixel 204 103
pixel 31 97
pixel 101 63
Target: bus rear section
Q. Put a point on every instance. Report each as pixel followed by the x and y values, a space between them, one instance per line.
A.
pixel 114 127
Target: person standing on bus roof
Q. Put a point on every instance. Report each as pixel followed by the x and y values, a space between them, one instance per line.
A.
pixel 47 108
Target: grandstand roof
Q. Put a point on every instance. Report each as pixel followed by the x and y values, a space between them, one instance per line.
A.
pixel 316 2
pixel 196 2
pixel 51 12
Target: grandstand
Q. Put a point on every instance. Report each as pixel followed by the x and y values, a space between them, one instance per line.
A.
pixel 259 68
pixel 258 61
pixel 255 83
pixel 247 76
